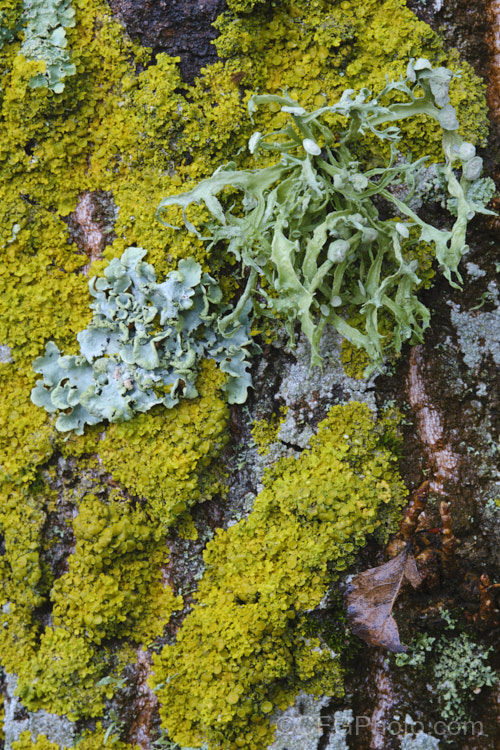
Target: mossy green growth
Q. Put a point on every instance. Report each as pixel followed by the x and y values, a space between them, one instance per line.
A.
pixel 245 648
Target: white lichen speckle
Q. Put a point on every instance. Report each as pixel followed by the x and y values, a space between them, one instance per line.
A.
pixel 307 386
pixel 478 332
pixel 300 726
pixel 5 354
pixel 474 271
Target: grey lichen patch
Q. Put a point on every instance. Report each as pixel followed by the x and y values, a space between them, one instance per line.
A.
pixel 299 727
pixel 419 741
pixel 304 389
pixel 458 667
pixel 341 728
pixel 57 729
pixel 5 354
pixel 478 332
pixel 474 271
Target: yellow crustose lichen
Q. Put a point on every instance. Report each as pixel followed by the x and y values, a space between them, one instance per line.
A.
pixel 95 740
pixel 242 651
pixel 168 448
pixel 265 432
pixel 113 591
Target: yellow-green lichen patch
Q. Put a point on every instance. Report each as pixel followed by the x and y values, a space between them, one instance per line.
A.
pixel 44 148
pixel 162 455
pixel 25 432
pixel 112 594
pixel 244 649
pixel 26 742
pixel 114 587
pixel 97 739
pixel 141 137
pixel 112 590
pixel 91 740
pixel 61 676
pixel 265 432
pixel 318 49
pixel 23 585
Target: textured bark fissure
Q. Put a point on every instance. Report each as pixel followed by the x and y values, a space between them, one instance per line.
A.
pixel 443 461
pixel 145 705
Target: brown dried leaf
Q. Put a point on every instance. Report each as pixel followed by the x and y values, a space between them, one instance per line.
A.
pixel 371 596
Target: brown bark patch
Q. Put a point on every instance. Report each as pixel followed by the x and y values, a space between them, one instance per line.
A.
pixel 177 27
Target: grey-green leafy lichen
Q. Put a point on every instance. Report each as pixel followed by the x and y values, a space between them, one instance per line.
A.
pixel 143 345
pixel 459 669
pixel 309 225
pixel 44 23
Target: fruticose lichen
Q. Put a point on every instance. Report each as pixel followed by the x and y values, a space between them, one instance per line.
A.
pixel 308 232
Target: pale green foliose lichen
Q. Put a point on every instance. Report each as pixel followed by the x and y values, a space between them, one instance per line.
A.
pixel 459 669
pixel 143 346
pixel 308 230
pixel 44 23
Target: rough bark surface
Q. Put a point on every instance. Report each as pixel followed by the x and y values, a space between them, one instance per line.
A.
pixel 177 27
